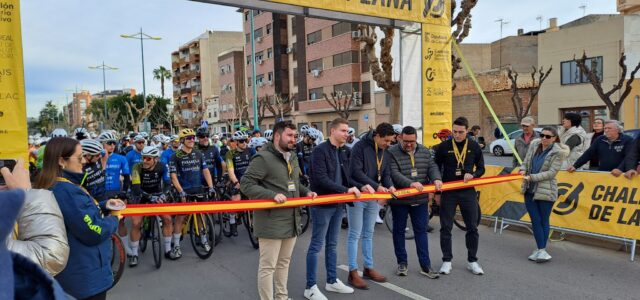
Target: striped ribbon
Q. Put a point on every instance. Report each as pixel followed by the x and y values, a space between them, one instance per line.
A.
pixel 244 205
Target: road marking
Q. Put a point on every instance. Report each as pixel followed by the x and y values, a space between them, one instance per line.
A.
pixel 391 286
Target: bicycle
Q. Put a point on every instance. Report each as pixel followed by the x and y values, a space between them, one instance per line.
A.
pixel 200 228
pixel 152 230
pixel 118 258
pixel 224 192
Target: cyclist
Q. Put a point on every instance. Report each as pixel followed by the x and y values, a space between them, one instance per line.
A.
pixel 117 166
pixel 127 145
pixel 397 129
pixel 304 149
pixel 257 143
pixel 237 160
pixel 94 177
pixel 268 134
pixel 150 177
pixel 352 139
pixel 145 136
pixel 173 146
pixel 134 156
pixel 211 154
pixel 187 167
pixel 80 134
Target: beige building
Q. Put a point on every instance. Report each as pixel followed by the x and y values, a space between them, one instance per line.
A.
pixel 603 38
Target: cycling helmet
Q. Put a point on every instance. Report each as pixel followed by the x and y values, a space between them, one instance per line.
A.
pixel 132 134
pixel 91 147
pixel 202 132
pixel 313 133
pixel 157 138
pixel 144 135
pixel 165 140
pixel 93 135
pixel 107 137
pixel 186 132
pixel 151 151
pixel 397 128
pixel 216 137
pixel 175 137
pixel 81 133
pixel 59 132
pixel 240 135
pixel 268 134
pixel 304 129
pixel 351 131
pixel 443 134
pixel 257 142
pixel 138 138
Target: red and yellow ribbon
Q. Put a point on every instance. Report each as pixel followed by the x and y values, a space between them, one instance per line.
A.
pixel 244 205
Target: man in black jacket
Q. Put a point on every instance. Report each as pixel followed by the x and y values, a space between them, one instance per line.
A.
pixel 632 163
pixel 610 149
pixel 329 169
pixel 460 159
pixel 412 166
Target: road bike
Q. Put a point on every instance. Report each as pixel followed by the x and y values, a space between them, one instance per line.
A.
pixel 118 258
pixel 152 231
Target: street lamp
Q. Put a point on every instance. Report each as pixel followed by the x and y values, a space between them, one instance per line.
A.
pixel 142 36
pixel 104 68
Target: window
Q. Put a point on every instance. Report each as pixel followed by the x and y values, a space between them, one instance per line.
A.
pixel 259 56
pixel 314 37
pixel 270 77
pixel 268 29
pixel 293 50
pixel 295 76
pixel 293 26
pixel 315 65
pixel 269 53
pixel 364 62
pixel 248 60
pixel 246 15
pixel 343 27
pixel 257 33
pixel 260 79
pixel 588 114
pixel 247 38
pixel 387 100
pixel 346 88
pixel 366 92
pixel 315 94
pixel 345 58
pixel 249 81
pixel 571 74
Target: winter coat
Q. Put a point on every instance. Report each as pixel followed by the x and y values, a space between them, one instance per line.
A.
pixel 41 236
pixel 401 172
pixel 88 270
pixel 522 146
pixel 577 151
pixel 323 170
pixel 611 155
pixel 545 183
pixel 267 176
pixel 633 155
pixel 363 164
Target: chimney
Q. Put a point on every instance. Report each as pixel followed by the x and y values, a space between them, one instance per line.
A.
pixel 553 24
pixel 520 31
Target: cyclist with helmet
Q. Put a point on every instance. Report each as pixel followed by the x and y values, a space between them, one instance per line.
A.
pixel 149 183
pixel 187 167
pixel 237 160
pixel 80 134
pixel 304 149
pixel 268 134
pixel 134 156
pixel 397 129
pixel 96 161
pixel 257 143
pixel 59 132
pixel 211 154
pixel 173 146
pixel 116 167
pixel 128 145
pixel 351 139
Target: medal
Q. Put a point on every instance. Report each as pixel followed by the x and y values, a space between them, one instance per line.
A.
pixel 460 157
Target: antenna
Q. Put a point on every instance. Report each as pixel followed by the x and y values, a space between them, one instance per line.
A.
pixel 502 23
pixel 539 18
pixel 584 9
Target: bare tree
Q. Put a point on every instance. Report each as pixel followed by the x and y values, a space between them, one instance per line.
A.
pixel 141 113
pixel 521 110
pixel 280 107
pixel 596 82
pixel 461 24
pixel 341 103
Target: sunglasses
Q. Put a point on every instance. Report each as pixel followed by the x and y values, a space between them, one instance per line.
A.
pixel 111 143
pixel 241 141
pixel 140 142
pixel 546 136
pixel 190 138
pixel 147 158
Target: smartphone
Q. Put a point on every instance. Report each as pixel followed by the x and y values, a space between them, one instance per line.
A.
pixel 8 163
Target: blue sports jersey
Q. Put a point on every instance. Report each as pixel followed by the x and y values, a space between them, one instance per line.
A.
pixel 116 165
pixel 188 168
pixel 133 157
pixel 94 180
pixel 166 156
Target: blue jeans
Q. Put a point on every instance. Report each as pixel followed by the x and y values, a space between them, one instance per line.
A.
pixel 419 219
pixel 539 212
pixel 326 222
pixel 362 219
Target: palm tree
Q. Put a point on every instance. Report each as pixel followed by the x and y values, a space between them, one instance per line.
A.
pixel 161 73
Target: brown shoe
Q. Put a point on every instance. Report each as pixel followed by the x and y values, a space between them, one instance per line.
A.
pixel 356 281
pixel 373 275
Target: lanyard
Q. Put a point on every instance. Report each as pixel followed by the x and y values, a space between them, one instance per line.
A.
pixel 289 169
pixel 460 157
pixel 413 160
pixel 379 163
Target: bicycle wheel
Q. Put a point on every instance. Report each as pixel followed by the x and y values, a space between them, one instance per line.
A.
pixel 155 234
pixel 201 235
pixel 226 225
pixel 305 218
pixel 144 234
pixel 460 223
pixel 216 219
pixel 248 223
pixel 388 221
pixel 118 258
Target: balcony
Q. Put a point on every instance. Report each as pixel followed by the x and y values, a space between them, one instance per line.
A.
pixel 187 106
pixel 185 90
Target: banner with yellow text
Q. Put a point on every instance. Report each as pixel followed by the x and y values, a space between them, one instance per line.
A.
pixel 407 10
pixel 588 201
pixel 13 113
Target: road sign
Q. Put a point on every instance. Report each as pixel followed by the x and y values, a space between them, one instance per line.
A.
pixel 366 117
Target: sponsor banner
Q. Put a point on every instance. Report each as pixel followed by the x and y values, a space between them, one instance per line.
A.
pixel 593 202
pixel 436 72
pixel 13 111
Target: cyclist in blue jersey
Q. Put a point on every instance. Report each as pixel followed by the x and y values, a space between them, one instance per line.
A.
pixel 187 167
pixel 134 156
pixel 211 154
pixel 174 145
pixel 94 177
pixel 304 149
pixel 237 160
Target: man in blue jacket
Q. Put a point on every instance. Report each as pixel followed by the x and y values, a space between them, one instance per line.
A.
pixel 610 148
pixel 370 172
pixel 329 175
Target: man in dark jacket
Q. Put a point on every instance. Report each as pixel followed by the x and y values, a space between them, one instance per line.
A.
pixel 412 166
pixel 460 159
pixel 631 160
pixel 329 169
pixel 610 148
pixel 370 172
pixel 522 142
pixel 274 174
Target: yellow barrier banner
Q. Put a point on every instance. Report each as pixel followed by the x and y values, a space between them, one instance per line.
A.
pixel 13 111
pixel 594 202
pixel 407 10
pixel 437 108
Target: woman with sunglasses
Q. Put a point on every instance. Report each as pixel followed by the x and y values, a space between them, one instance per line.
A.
pixel 88 273
pixel 544 159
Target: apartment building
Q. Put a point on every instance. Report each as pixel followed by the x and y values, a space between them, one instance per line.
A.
pixel 75 111
pixel 232 87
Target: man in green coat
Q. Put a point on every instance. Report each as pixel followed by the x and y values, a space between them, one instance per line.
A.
pixel 274 173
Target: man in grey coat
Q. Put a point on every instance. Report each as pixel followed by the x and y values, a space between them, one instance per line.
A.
pixel 412 165
pixel 523 141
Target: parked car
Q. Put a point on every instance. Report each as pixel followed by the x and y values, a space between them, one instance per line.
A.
pixel 634 133
pixel 500 147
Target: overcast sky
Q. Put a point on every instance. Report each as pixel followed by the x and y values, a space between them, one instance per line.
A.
pixel 61 39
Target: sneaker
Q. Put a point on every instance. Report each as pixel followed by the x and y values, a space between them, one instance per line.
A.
pixel 379 220
pixel 429 228
pixel 338 287
pixel 402 270
pixel 429 272
pixel 169 255
pixel 314 293
pixel 543 256
pixel 234 229
pixel 133 261
pixel 446 268
pixel 178 251
pixel 475 268
pixel 534 255
pixel 206 246
pixel 175 253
